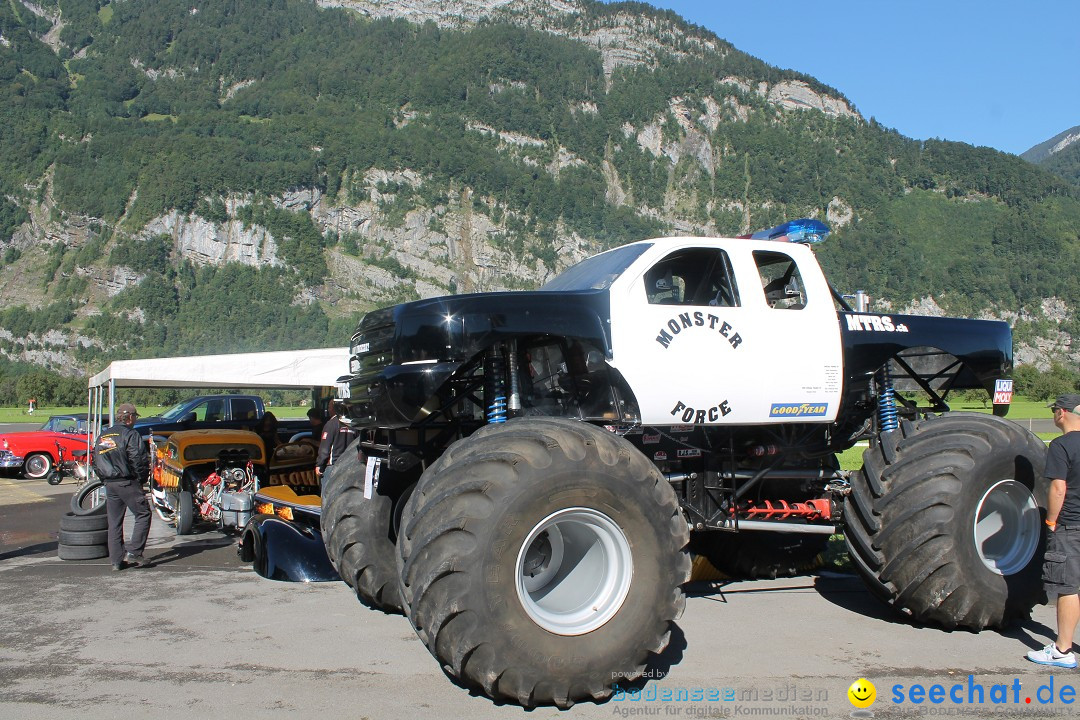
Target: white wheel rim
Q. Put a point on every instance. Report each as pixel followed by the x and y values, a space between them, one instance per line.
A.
pixel 37 466
pixel 1007 527
pixel 573 571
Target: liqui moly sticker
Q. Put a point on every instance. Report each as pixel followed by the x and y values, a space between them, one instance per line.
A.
pixel 660 455
pixel 1003 390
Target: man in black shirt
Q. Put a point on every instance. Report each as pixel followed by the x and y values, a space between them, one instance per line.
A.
pixel 336 436
pixel 1061 564
pixel 121 461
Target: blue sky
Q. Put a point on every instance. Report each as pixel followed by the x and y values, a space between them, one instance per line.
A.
pixel 1000 73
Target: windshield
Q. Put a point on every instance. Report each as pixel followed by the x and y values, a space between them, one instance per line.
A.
pixel 175 412
pixel 65 424
pixel 599 271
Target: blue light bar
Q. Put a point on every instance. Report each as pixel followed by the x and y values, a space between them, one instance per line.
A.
pixel 805 231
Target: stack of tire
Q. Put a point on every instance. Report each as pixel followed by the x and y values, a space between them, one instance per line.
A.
pixel 83 537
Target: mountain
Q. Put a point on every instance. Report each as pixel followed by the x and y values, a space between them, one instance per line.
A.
pixel 198 177
pixel 1059 155
pixel 1045 150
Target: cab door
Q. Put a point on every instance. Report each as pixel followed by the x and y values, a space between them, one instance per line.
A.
pixel 733 332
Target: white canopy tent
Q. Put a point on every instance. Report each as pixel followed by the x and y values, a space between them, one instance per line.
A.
pixel 291 369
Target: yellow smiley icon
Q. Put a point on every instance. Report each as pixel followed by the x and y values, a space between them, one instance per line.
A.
pixel 862 693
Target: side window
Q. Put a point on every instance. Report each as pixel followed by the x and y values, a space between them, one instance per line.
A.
pixel 696 276
pixel 781 280
pixel 210 411
pixel 243 409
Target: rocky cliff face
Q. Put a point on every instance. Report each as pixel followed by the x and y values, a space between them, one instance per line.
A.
pixel 459 246
pixel 623 38
pixel 205 242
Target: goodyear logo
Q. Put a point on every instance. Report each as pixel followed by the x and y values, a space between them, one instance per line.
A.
pixel 798 409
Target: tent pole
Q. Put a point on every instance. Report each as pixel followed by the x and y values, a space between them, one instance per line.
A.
pixel 90 432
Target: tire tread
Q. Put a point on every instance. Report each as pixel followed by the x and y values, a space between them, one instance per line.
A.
pixel 436 545
pixel 903 531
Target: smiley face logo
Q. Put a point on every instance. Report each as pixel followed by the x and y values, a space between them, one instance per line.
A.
pixel 862 693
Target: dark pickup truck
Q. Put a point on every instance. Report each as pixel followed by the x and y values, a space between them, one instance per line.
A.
pixel 221 412
pixel 206 412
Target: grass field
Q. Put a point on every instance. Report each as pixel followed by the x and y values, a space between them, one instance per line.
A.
pixel 1021 410
pixel 849 460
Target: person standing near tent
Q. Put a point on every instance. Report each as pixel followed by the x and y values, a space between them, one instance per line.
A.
pixel 336 436
pixel 121 461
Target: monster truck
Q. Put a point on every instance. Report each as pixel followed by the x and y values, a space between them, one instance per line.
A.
pixel 533 469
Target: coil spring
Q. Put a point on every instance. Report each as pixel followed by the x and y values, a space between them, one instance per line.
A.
pixel 497 410
pixel 495 385
pixel 887 414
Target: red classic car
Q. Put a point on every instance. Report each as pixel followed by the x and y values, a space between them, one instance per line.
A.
pixel 37 451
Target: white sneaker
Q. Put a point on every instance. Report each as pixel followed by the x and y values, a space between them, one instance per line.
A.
pixel 1049 655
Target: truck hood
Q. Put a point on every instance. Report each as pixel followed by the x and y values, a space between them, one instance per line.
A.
pixel 456 327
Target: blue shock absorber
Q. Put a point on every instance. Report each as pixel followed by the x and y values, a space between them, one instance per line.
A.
pixel 495 385
pixel 496 412
pixel 887 403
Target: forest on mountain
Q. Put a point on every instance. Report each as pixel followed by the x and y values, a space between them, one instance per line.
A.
pixel 115 114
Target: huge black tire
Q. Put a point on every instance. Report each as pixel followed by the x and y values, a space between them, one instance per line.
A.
pixel 542 561
pixel 754 555
pixel 185 512
pixel 89 499
pixel 360 533
pixel 944 522
pixel 82 523
pixel 81 552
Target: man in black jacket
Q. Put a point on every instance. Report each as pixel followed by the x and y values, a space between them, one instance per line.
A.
pixel 336 436
pixel 121 461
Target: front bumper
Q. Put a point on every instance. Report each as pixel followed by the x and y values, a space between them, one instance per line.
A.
pixel 280 549
pixel 9 459
pixel 283 541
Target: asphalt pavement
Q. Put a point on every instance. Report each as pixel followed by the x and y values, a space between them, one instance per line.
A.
pixel 199 634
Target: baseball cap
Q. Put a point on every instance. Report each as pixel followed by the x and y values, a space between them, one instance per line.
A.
pixel 129 409
pixel 1066 402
